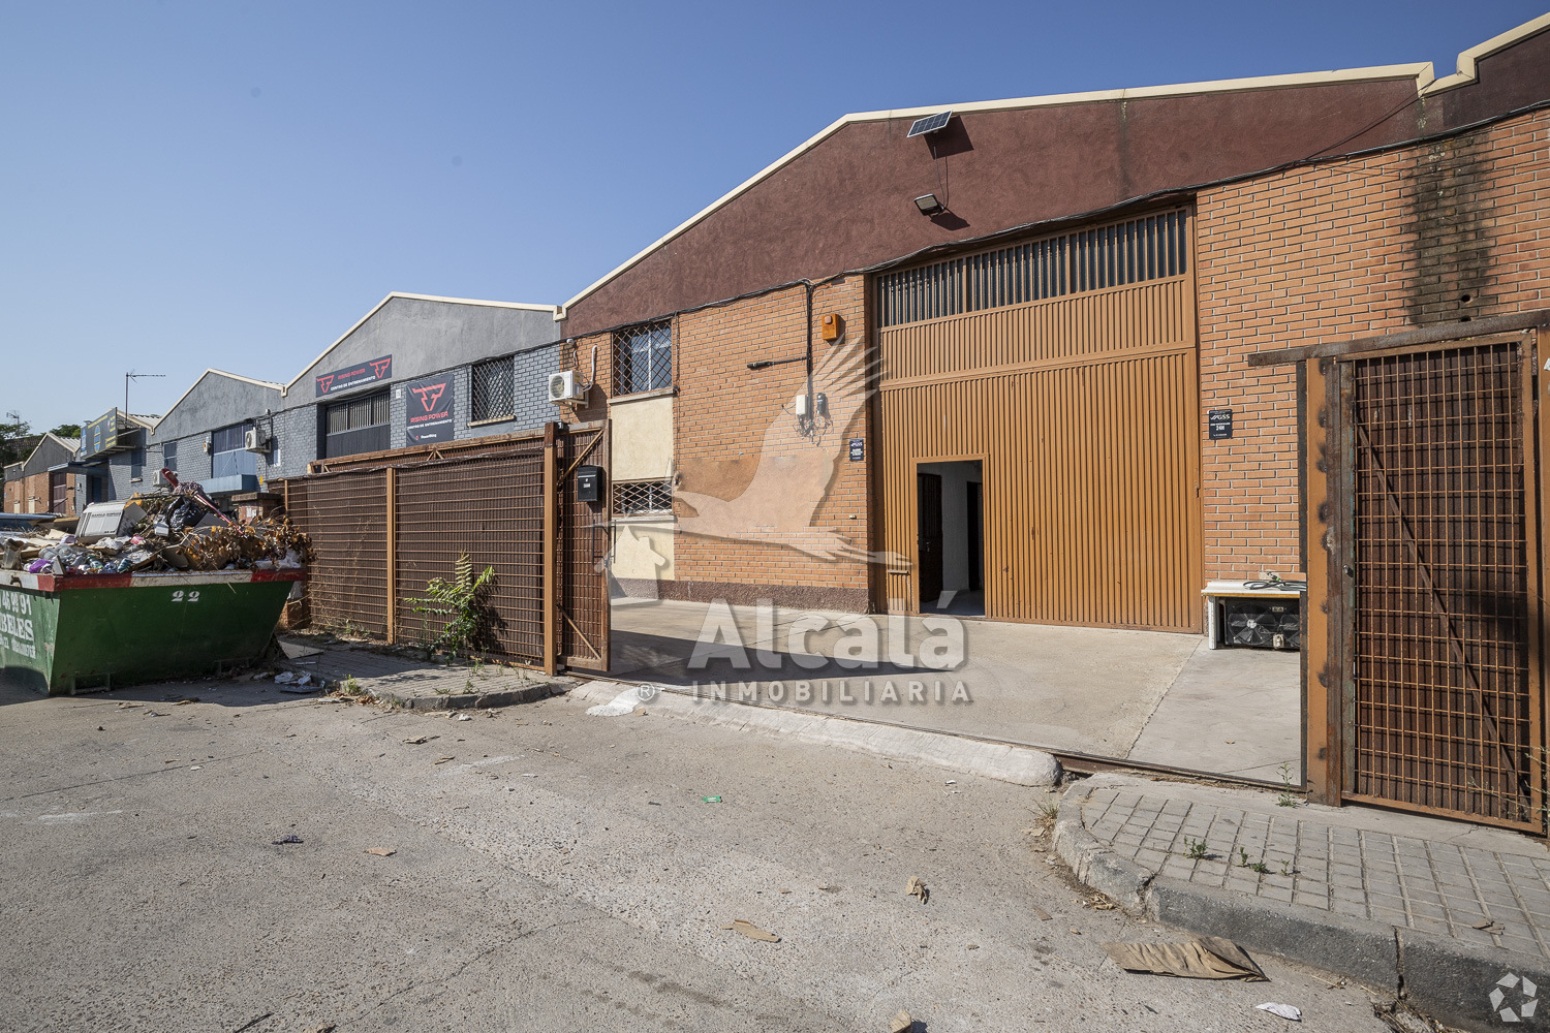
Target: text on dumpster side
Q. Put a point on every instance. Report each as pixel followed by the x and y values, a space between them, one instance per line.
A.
pixel 15 628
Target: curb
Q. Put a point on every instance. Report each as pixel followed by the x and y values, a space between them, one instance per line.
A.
pixel 1015 764
pixel 467 701
pixel 1436 975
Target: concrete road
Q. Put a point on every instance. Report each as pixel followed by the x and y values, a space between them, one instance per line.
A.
pixel 552 871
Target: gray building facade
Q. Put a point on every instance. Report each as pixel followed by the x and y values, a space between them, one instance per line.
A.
pixel 204 436
pixel 419 369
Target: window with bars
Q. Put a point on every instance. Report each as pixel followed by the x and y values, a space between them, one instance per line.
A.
pixel 493 386
pixel 358 425
pixel 634 498
pixel 643 358
pixel 1151 248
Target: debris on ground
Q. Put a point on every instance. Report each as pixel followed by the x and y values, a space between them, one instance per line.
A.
pixel 292 838
pixel 419 740
pixel 1098 902
pixel 711 799
pixel 1286 1011
pixel 1044 916
pixel 179 529
pixel 443 760
pixel 381 851
pixel 917 888
pixel 294 650
pixel 1205 957
pixel 903 1022
pixel 751 931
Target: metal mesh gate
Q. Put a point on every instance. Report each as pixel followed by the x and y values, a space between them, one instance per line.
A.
pixel 381 533
pixel 346 516
pixel 1444 709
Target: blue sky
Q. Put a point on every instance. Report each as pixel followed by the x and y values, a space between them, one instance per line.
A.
pixel 223 184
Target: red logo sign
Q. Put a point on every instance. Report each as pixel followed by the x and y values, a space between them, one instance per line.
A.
pixel 429 396
pixel 379 366
pixel 325 382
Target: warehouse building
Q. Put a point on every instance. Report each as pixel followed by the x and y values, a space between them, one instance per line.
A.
pixel 419 370
pixel 1055 297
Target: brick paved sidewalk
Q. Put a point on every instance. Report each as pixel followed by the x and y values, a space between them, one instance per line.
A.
pixel 1429 874
pixel 1451 919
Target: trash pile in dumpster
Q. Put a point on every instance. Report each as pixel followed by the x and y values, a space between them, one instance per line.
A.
pixel 178 530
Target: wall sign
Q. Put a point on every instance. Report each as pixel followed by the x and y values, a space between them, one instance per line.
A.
pixel 428 407
pixel 1218 424
pixel 355 376
pixel 858 450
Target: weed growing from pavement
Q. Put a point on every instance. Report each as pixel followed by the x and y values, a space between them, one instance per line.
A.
pixel 1287 798
pixel 1195 849
pixel 1049 809
pixel 351 687
pixel 461 601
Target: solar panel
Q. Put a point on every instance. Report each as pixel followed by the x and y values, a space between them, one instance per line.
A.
pixel 930 124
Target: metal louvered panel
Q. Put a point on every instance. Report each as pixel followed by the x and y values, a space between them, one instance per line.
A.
pixel 1153 247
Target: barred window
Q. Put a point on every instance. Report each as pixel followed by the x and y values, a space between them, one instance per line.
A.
pixel 633 498
pixel 494 389
pixel 643 358
pixel 1150 248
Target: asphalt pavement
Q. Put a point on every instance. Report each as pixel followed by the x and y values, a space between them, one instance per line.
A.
pixel 549 870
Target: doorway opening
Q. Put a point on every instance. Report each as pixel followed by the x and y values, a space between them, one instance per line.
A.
pixel 950 543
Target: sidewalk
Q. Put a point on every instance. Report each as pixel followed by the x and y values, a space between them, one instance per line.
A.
pixel 420 685
pixel 1152 697
pixel 1450 917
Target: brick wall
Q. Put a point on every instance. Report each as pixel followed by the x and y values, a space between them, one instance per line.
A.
pixel 723 417
pixel 1457 229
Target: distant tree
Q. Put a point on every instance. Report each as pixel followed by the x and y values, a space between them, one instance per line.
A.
pixel 15 443
pixel 67 430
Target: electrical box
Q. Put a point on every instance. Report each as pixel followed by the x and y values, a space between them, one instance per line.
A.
pixel 589 484
pixel 833 325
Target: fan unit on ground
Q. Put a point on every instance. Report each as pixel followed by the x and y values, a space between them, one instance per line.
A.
pixel 563 388
pixel 1261 623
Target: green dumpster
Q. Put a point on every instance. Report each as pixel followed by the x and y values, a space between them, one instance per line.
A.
pixel 59 634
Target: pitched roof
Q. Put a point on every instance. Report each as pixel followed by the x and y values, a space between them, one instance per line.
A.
pixel 1426 83
pixel 552 309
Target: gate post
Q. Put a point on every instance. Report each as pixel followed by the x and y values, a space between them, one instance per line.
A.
pixel 551 526
pixel 390 494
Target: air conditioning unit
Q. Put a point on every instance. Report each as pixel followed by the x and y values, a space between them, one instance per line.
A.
pixel 253 440
pixel 1262 623
pixel 563 388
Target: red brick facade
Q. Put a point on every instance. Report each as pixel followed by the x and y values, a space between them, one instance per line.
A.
pixel 1448 230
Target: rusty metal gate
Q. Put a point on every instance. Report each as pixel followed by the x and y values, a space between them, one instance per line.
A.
pixel 1438 483
pixel 384 524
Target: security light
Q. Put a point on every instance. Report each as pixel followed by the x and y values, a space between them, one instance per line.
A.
pixel 928 204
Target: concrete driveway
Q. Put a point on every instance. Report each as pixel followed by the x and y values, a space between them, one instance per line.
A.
pixel 1152 697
